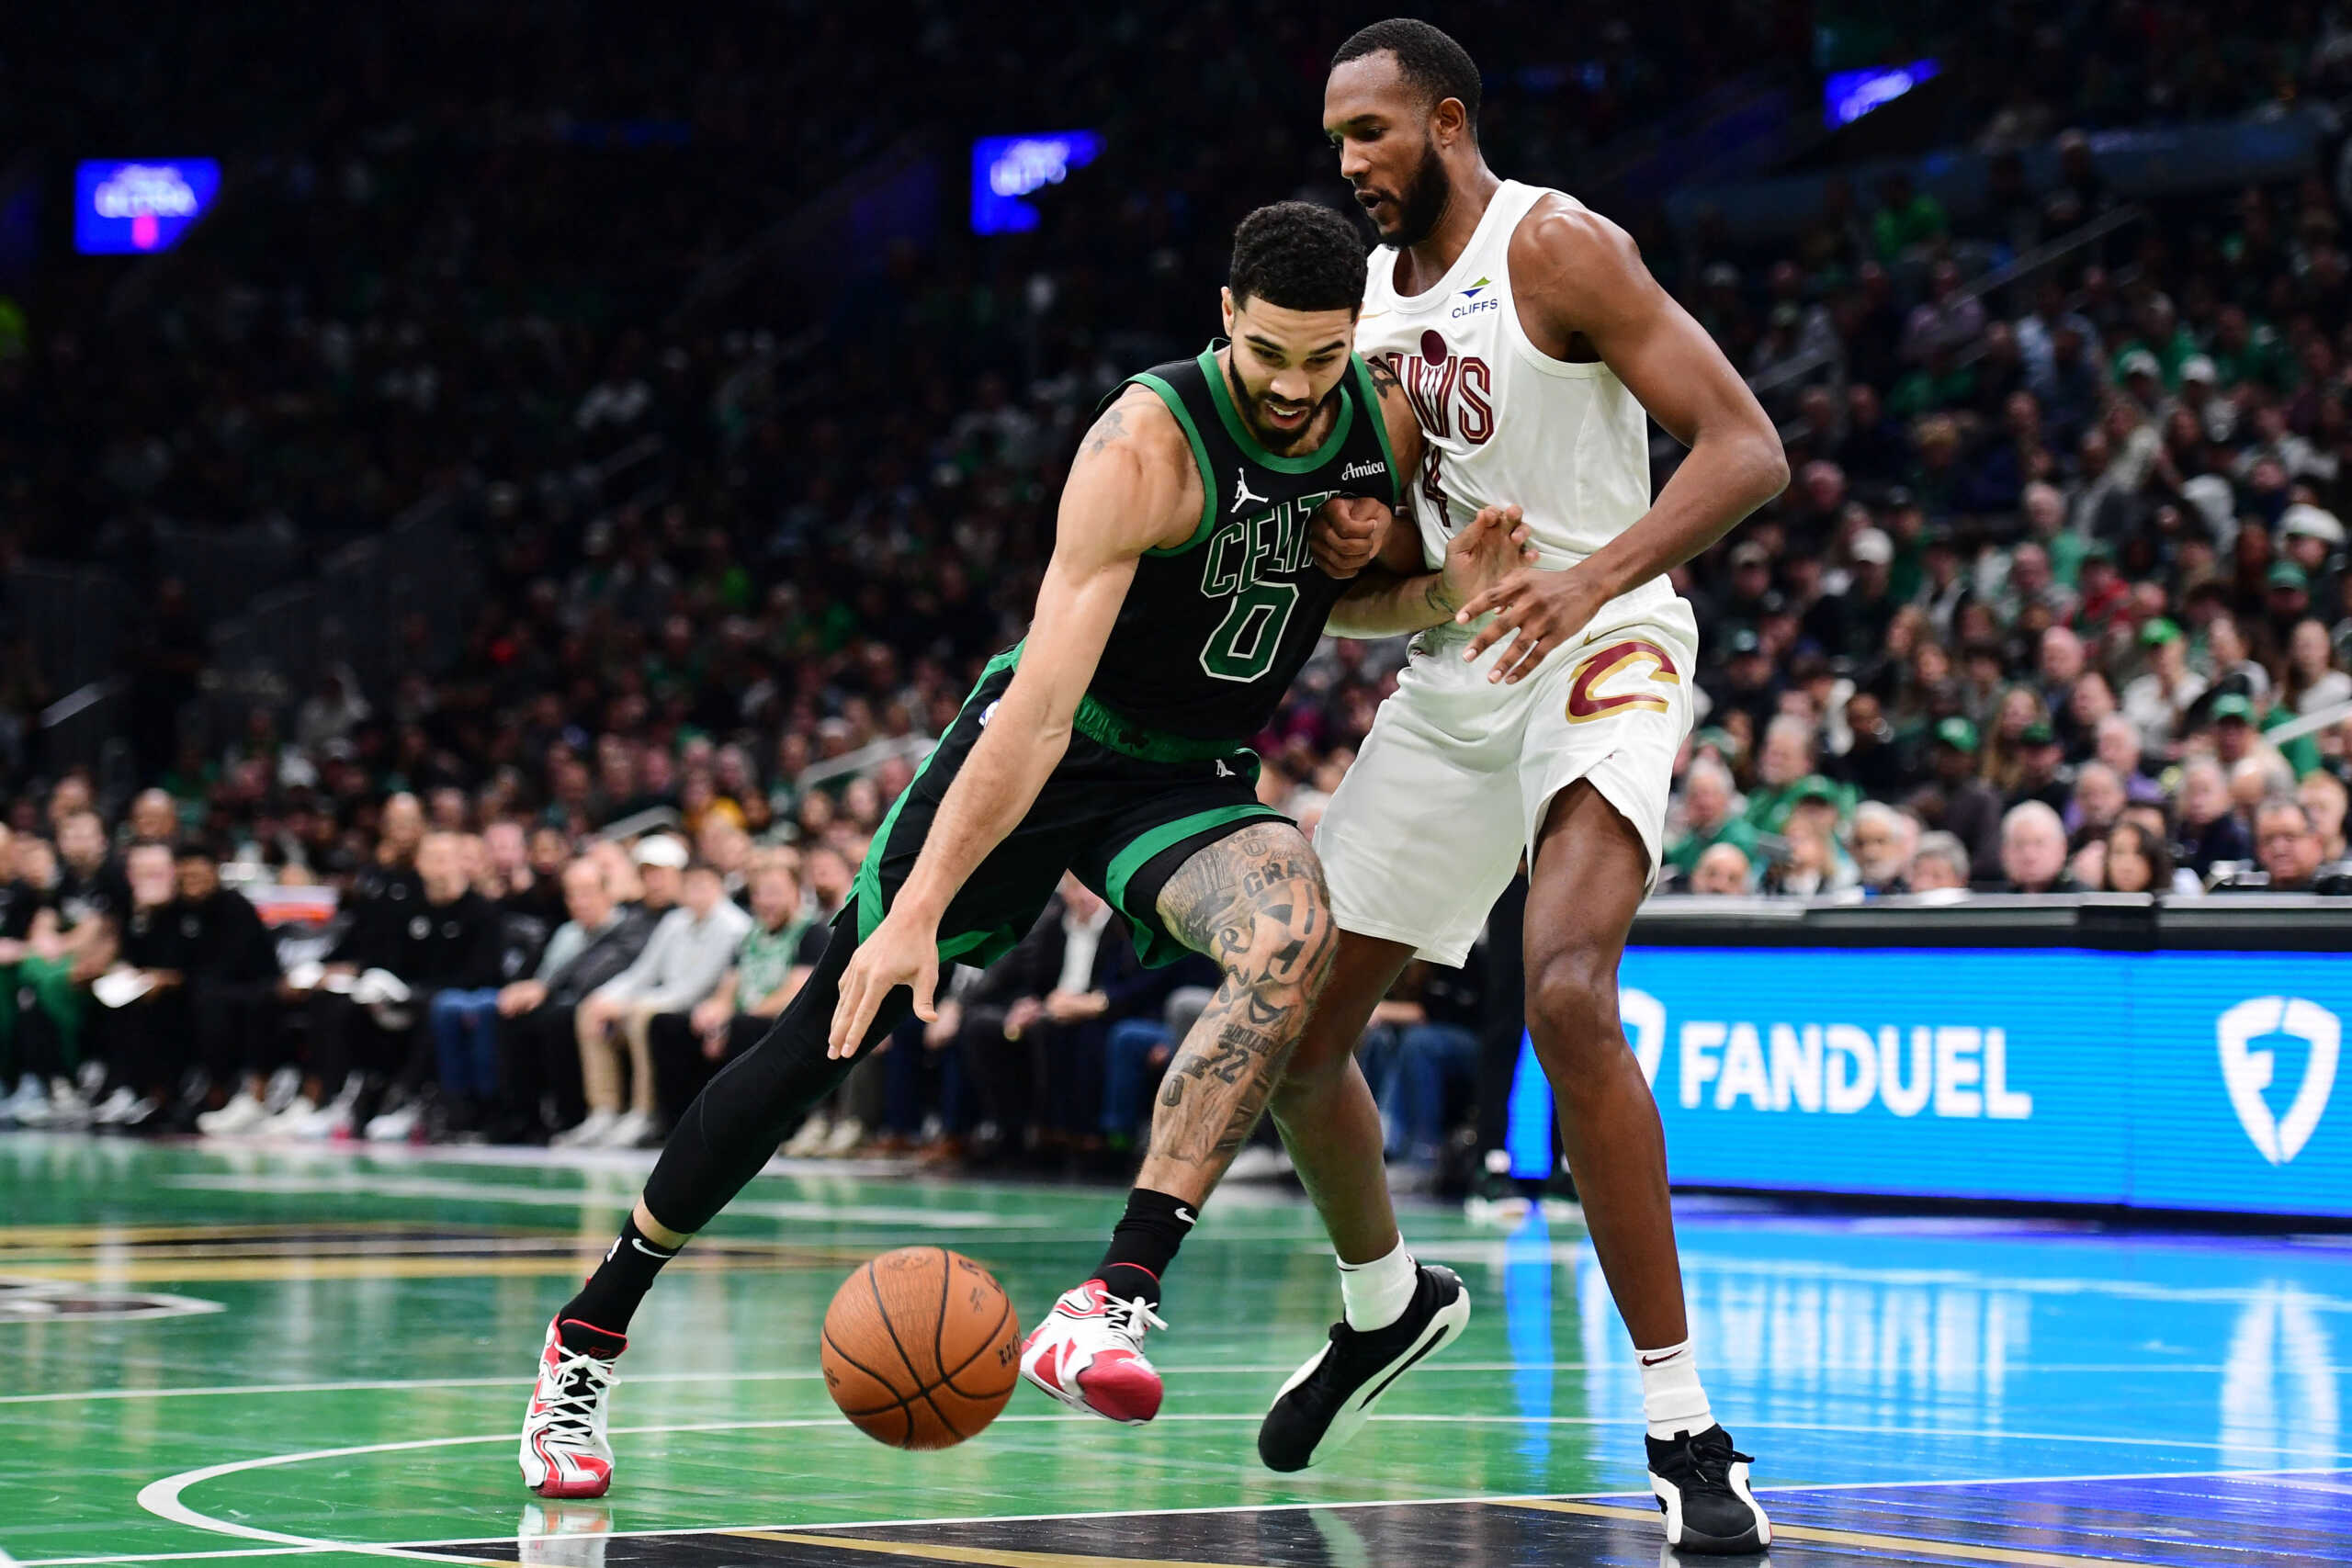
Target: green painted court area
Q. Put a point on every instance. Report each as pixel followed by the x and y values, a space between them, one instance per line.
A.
pixel 250 1354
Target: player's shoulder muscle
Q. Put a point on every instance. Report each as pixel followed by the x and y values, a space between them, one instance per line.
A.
pixel 1133 484
pixel 1577 262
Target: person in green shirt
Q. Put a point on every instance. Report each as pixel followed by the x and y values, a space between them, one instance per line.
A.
pixel 1941 382
pixel 2045 517
pixel 775 958
pixel 1785 766
pixel 1907 217
pixel 2302 752
pixel 2245 349
pixel 1708 817
pixel 2162 338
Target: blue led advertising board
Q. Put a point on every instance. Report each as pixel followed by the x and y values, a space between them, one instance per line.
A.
pixel 1007 168
pixel 2166 1079
pixel 132 207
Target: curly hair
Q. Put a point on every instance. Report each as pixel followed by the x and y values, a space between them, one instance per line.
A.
pixel 1299 257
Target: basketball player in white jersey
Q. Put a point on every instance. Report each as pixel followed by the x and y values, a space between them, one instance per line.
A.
pixel 1543 720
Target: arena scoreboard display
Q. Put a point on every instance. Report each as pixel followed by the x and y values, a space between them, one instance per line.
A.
pixel 1007 168
pixel 130 207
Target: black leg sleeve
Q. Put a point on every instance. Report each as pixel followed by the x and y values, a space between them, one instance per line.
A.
pixel 559 1063
pixel 735 1124
pixel 680 1069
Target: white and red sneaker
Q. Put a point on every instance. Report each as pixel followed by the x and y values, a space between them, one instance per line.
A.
pixel 1089 1354
pixel 565 1452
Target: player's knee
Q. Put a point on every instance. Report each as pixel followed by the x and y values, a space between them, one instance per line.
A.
pixel 1292 943
pixel 1572 1003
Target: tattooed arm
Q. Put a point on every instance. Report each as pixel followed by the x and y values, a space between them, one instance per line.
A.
pixel 1255 902
pixel 1394 599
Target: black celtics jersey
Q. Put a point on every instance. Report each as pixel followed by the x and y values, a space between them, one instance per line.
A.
pixel 1214 629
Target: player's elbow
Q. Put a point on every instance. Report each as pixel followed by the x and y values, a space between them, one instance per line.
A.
pixel 1769 460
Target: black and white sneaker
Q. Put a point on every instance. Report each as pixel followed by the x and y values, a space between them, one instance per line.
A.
pixel 1701 1485
pixel 1328 1401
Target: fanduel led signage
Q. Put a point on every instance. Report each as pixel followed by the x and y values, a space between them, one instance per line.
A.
pixel 2165 1080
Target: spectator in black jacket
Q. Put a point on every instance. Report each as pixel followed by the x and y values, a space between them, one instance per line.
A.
pixel 1963 805
pixel 1032 1029
pixel 1873 764
pixel 463 1021
pixel 1083 974
pixel 536 1030
pixel 366 1029
pixel 2210 827
pixel 2042 773
pixel 140 1027
pixel 385 893
pixel 232 970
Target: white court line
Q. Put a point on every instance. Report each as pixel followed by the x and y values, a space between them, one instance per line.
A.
pixel 1726 1371
pixel 161 1497
pixel 1498 1251
pixel 1504 1499
pixel 437 1189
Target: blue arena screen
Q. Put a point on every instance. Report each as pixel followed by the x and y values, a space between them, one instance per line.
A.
pixel 2158 1080
pixel 1007 168
pixel 130 206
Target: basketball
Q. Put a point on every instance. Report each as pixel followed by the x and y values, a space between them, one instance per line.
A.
pixel 922 1347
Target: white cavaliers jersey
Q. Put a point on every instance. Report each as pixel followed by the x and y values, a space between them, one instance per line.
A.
pixel 1501 421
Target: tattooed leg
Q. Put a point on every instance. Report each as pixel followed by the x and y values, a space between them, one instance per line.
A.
pixel 1256 903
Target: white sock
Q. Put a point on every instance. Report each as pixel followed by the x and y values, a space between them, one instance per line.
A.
pixel 1671 1398
pixel 1377 1293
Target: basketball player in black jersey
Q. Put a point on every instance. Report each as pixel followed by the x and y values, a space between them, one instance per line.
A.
pixel 1182 596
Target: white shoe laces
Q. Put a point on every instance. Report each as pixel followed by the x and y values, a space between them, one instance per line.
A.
pixel 581 1381
pixel 1129 1318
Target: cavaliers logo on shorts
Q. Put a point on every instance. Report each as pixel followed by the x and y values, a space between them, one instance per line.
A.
pixel 1604 665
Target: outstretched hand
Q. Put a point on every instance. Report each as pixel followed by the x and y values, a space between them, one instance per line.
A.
pixel 1483 554
pixel 1538 609
pixel 903 951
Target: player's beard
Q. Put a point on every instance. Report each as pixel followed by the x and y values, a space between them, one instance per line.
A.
pixel 1422 202
pixel 1252 404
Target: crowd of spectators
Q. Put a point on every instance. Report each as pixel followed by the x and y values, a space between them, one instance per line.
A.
pixel 501 981
pixel 2061 561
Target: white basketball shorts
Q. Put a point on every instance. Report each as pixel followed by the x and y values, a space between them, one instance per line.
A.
pixel 1452 786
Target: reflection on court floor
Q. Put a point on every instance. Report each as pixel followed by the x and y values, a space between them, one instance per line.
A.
pixel 2202 1522
pixel 354 1335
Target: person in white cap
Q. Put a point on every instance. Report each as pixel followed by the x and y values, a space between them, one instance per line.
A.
pixel 1867 606
pixel 2141 379
pixel 2217 416
pixel 660 860
pixel 690 950
pixel 2308 536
